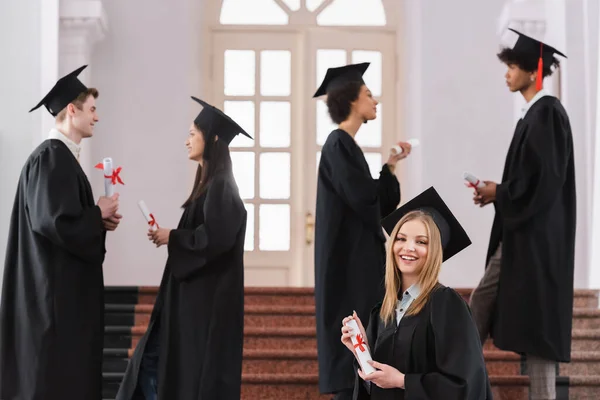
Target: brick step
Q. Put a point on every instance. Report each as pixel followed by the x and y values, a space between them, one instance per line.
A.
pixel 304 361
pixel 293 338
pixel 304 386
pixel 255 315
pixel 583 298
pixel 582 340
pixel 295 316
pixel 583 363
pixel 584 387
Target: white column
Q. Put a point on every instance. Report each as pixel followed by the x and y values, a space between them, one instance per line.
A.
pixel 21 88
pixel 82 24
pixel 49 62
pixel 595 172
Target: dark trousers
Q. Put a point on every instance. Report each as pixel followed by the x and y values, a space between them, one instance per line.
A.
pixel 148 375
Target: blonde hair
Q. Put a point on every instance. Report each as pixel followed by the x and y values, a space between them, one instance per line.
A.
pixel 78 102
pixel 428 276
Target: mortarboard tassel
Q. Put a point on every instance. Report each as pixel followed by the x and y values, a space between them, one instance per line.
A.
pixel 540 70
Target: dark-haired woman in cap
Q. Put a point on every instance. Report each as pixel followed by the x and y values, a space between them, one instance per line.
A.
pixel 192 349
pixel 349 242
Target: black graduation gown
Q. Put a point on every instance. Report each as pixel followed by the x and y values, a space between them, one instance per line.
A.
pixel 200 304
pixel 349 249
pixel 52 311
pixel 438 350
pixel 535 219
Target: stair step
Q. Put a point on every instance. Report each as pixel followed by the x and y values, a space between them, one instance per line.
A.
pixel 284 338
pixel 584 387
pixel 586 340
pixel 584 318
pixel 583 363
pixel 304 316
pixel 582 298
pixel 304 386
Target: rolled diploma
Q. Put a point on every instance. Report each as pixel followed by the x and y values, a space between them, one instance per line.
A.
pixel 363 356
pixel 109 189
pixel 146 213
pixel 472 179
pixel 397 149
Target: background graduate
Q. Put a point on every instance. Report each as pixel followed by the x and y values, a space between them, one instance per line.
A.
pixel 52 312
pixel 422 338
pixel 192 349
pixel 349 242
pixel 525 298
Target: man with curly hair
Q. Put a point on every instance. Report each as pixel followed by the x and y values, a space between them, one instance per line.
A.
pixel 525 298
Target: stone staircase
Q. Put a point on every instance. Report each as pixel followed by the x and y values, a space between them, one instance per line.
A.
pixel 280 356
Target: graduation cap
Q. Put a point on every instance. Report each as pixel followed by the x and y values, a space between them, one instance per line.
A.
pixel 64 91
pixel 339 76
pixel 216 122
pixel 454 237
pixel 532 47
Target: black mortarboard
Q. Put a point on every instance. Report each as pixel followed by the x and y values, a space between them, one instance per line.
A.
pixel 531 47
pixel 215 122
pixel 454 237
pixel 64 91
pixel 339 76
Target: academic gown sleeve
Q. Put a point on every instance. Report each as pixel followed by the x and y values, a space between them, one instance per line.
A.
pixel 460 372
pixel 55 208
pixel 357 187
pixel 540 170
pixel 388 190
pixel 190 250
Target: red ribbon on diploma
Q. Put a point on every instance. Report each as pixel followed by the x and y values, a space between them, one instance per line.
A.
pixel 360 343
pixel 152 221
pixel 115 174
pixel 472 185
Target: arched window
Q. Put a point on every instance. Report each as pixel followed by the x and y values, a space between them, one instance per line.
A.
pixel 326 13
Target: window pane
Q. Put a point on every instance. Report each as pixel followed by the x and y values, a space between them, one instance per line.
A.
pixel 255 12
pixel 249 241
pixel 374 161
pixel 274 227
pixel 275 175
pixel 369 134
pixel 241 112
pixel 353 12
pixel 372 76
pixel 327 58
pixel 312 5
pixel 293 4
pixel 324 123
pixel 275 72
pixel 239 72
pixel 275 125
pixel 243 171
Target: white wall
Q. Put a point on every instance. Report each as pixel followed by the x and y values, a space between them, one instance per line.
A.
pixel 456 101
pixel 144 70
pixel 20 81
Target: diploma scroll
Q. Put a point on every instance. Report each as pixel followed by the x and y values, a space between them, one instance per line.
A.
pixel 111 176
pixel 362 352
pixel 398 150
pixel 473 181
pixel 109 189
pixel 148 215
